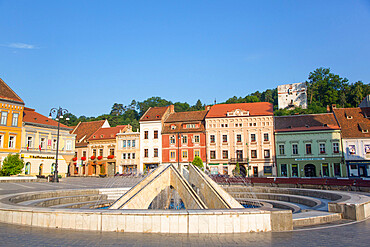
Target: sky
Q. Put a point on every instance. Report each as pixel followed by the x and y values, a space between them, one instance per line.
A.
pixel 85 56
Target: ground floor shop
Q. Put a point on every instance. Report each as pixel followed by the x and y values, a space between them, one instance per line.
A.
pixel 311 167
pixel 99 168
pixel 127 169
pixel 358 168
pixel 43 165
pixel 246 169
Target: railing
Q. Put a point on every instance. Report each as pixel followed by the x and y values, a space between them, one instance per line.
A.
pixel 238 160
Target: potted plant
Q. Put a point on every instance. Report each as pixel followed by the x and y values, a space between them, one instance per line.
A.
pixel 83 158
pixel 110 156
pixel 100 157
pixel 74 159
pixel 93 157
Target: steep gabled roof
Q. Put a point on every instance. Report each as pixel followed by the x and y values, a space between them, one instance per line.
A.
pixel 154 113
pixel 312 122
pixel 353 122
pixel 254 109
pixel 31 116
pixel 7 93
pixel 108 133
pixel 84 130
pixel 176 122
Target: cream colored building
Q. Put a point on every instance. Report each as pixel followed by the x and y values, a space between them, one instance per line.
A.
pixel 39 144
pixel 128 152
pixel 241 133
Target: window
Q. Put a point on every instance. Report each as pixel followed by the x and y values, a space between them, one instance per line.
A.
pixel 94 152
pixel 4 117
pixel 294 170
pixel 128 143
pixel 325 169
pixel 196 153
pixel 213 154
pixel 133 143
pixel 146 133
pixel 111 151
pixel 322 148
pixel 84 154
pixel 295 148
pixel 336 147
pixel 156 152
pixel 212 139
pixel 184 139
pixel 54 144
pixel 185 154
pixel 101 152
pixel 196 139
pixel 238 138
pixel 254 153
pixel 124 156
pixel 15 119
pixel 190 126
pixel 226 125
pixel 283 169
pixel 337 172
pixel 308 148
pixel 225 154
pixel 128 156
pixel 155 134
pixel 11 141
pixel 224 138
pixel 124 143
pixel 133 156
pixel 172 140
pixel 266 137
pixel 253 137
pixel 266 153
pixel 173 155
pixel 1 141
pixel 146 153
pixel 281 149
pixel 42 142
pixel 29 142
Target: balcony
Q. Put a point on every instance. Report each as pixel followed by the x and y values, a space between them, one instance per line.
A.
pixel 238 160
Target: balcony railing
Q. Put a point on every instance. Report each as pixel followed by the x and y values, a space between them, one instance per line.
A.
pixel 238 160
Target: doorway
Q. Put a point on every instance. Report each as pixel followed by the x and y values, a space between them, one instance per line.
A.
pixel 27 168
pixel 239 155
pixel 309 170
pixel 255 171
pixel 40 169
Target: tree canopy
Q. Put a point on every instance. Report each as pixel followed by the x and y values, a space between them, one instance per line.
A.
pixel 324 88
pixel 12 165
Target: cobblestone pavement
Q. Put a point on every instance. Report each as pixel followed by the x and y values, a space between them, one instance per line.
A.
pixel 346 234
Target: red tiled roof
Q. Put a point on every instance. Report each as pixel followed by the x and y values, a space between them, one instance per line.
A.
pixel 30 116
pixel 352 121
pixel 312 122
pixel 8 94
pixel 255 109
pixel 85 130
pixel 154 113
pixel 107 133
pixel 186 116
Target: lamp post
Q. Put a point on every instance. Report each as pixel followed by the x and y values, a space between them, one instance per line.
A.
pixel 58 113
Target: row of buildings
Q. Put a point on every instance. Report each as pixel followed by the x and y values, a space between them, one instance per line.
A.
pixel 334 144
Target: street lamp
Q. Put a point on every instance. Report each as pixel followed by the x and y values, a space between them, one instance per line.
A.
pixel 58 113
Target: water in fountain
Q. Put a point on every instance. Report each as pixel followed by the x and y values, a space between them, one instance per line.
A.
pixel 167 199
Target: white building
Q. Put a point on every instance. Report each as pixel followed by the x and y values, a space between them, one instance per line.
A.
pixel 292 95
pixel 151 136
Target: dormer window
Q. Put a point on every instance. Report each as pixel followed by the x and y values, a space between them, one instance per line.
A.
pixel 325 125
pixel 190 126
pixel 173 127
pixel 349 116
pixel 363 128
pixel 94 137
pixel 101 136
pixel 157 116
pixel 147 116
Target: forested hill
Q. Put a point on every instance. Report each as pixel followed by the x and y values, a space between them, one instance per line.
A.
pixel 323 88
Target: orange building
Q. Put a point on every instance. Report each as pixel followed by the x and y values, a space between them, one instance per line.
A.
pixel 102 147
pixel 11 115
pixel 184 137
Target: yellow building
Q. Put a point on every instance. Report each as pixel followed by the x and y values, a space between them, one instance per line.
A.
pixel 128 152
pixel 39 144
pixel 11 114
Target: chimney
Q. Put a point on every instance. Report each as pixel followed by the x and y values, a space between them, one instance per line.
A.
pixel 172 109
pixel 333 106
pixel 207 107
pixel 327 108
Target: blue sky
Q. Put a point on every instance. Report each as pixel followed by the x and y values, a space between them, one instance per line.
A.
pixel 87 55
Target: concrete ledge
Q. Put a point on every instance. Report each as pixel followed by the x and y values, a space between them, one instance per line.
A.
pixel 315 218
pixel 19 179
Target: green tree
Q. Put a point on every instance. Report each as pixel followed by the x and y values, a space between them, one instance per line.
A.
pixel 12 165
pixel 181 107
pixel 198 106
pixel 152 102
pixel 198 162
pixel 236 171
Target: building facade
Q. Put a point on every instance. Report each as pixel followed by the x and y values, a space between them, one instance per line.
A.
pixel 128 152
pixel 83 132
pixel 184 138
pixel 309 146
pixel 292 95
pixel 102 147
pixel 151 136
pixel 39 145
pixel 11 116
pixel 355 126
pixel 241 133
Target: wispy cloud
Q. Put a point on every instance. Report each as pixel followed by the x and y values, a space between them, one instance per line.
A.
pixel 20 46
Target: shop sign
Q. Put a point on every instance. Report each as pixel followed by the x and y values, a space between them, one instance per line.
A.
pixel 41 157
pixel 304 159
pixel 267 170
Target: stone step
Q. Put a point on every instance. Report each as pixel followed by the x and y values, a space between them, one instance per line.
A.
pixel 313 217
